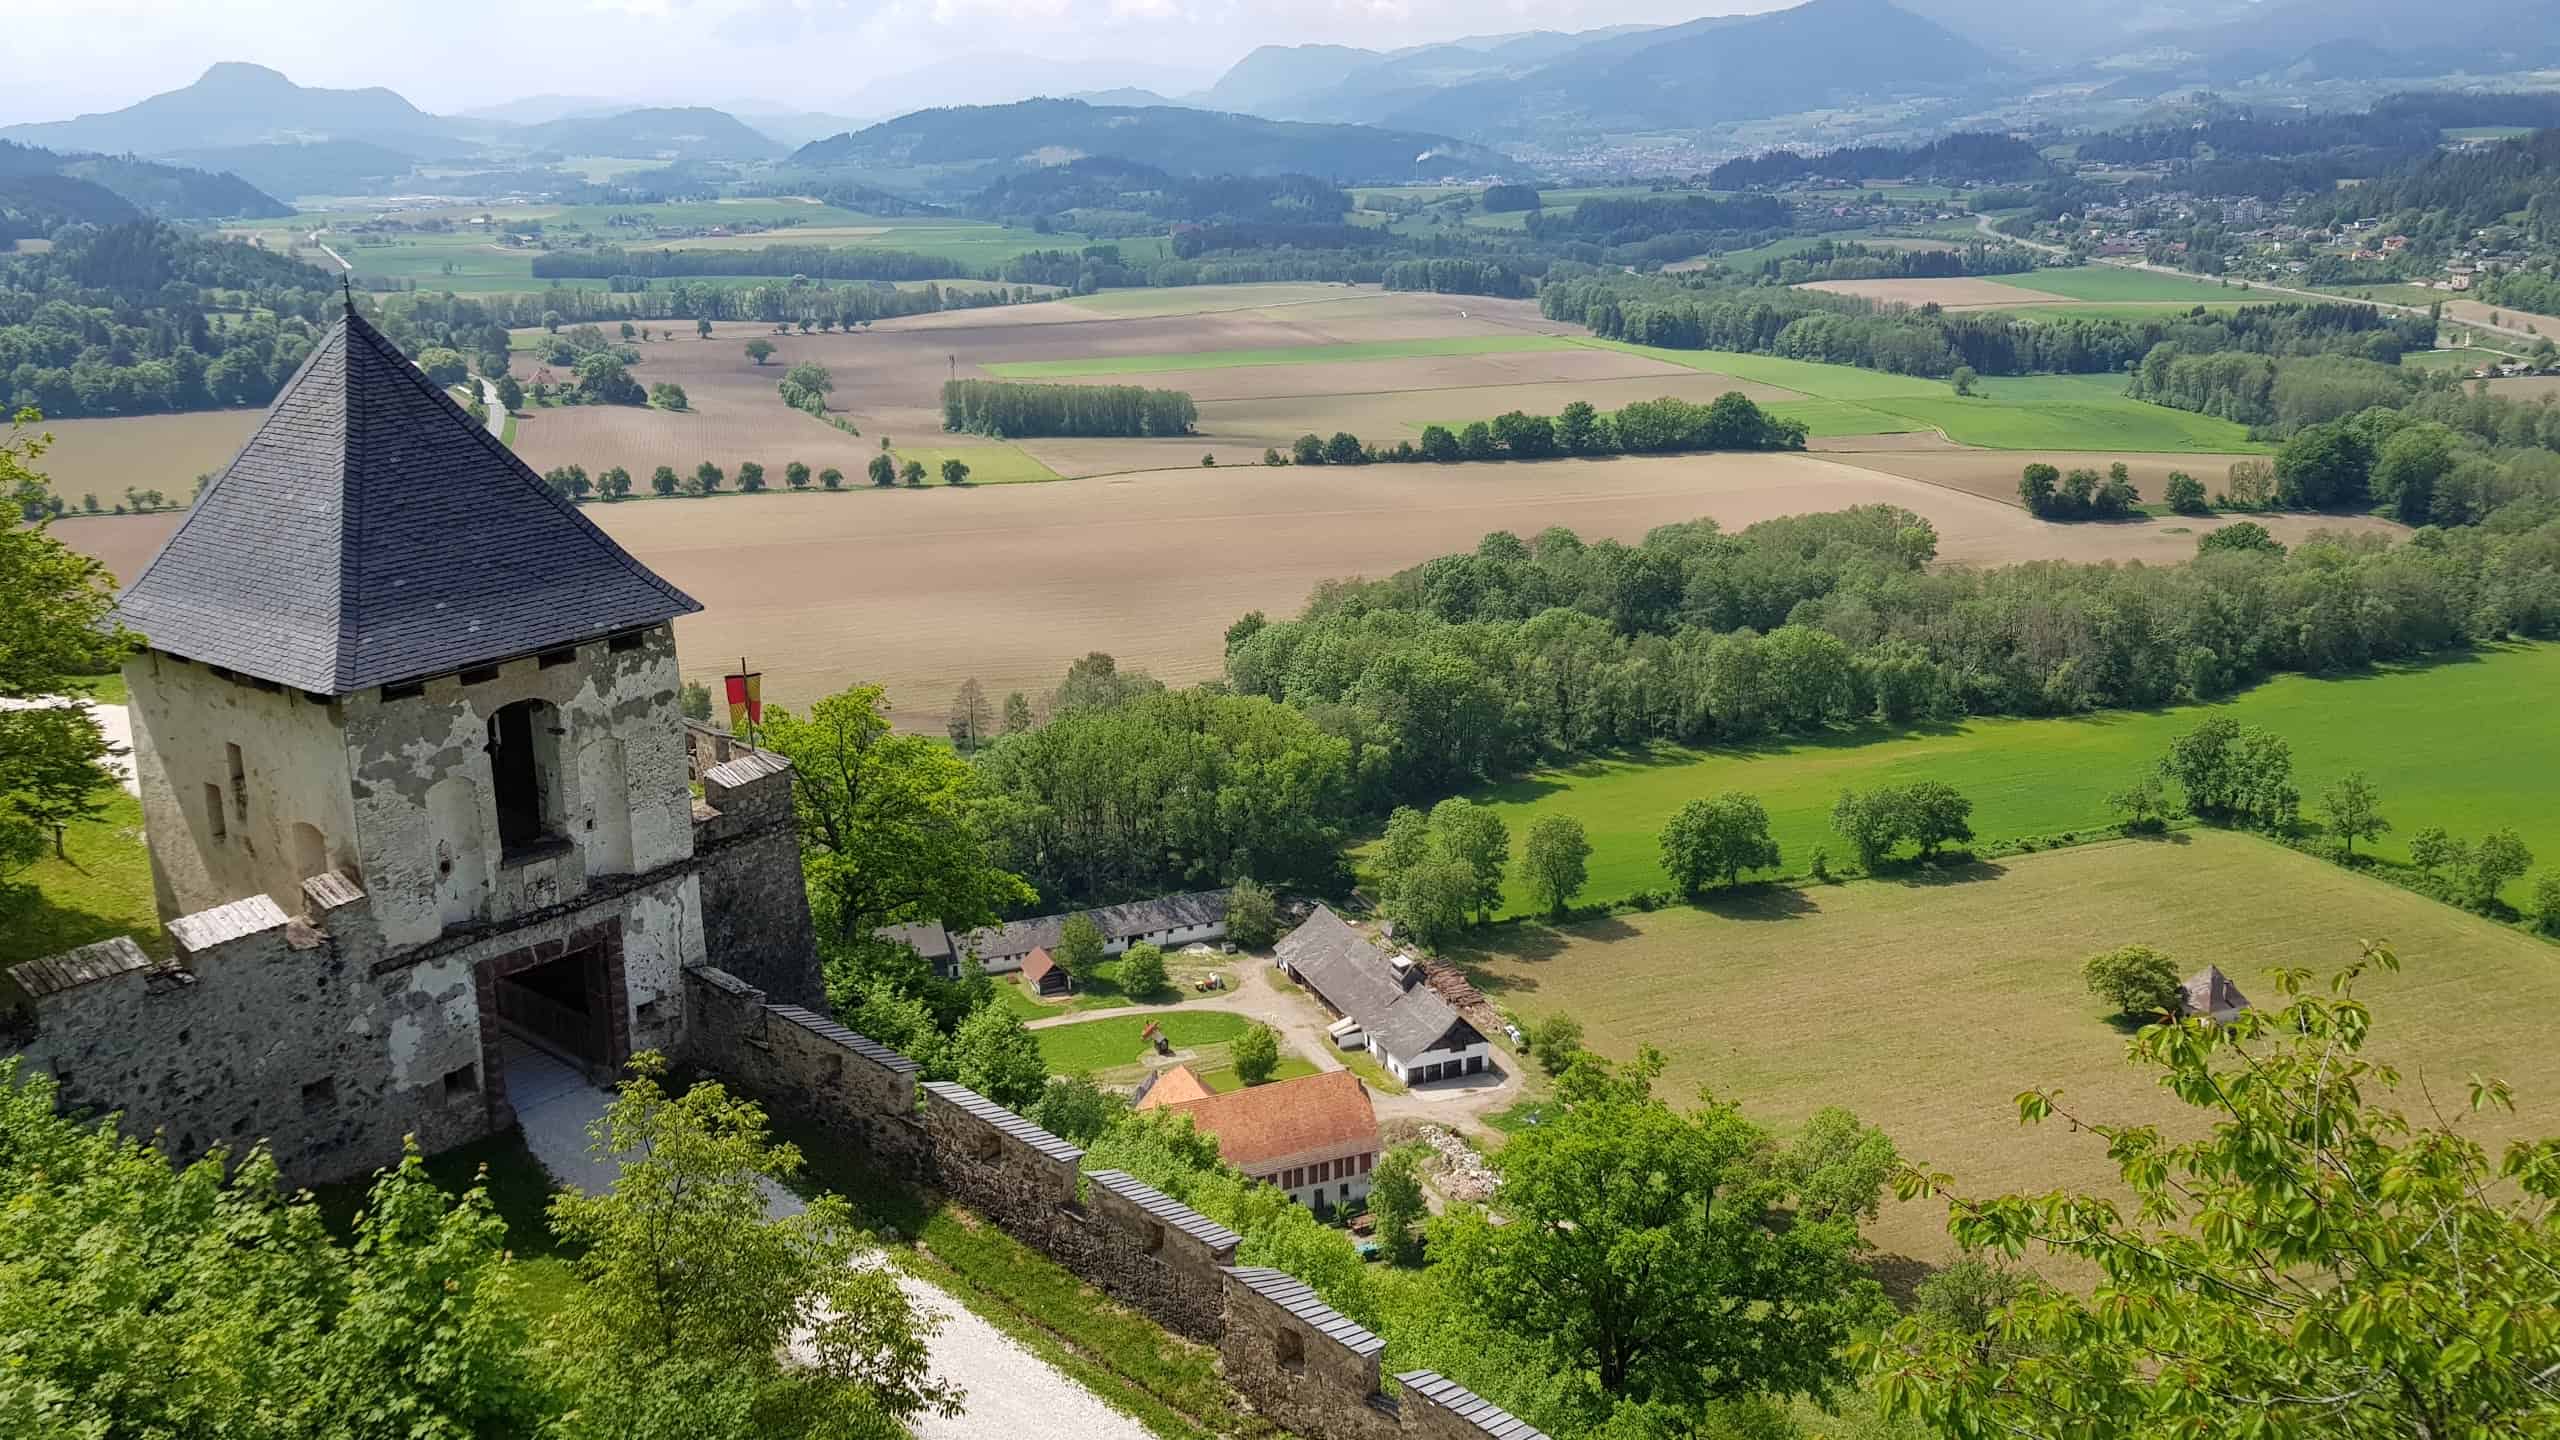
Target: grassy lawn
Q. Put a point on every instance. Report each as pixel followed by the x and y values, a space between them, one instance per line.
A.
pixel 988 464
pixel 2023 412
pixel 1290 355
pixel 2465 360
pixel 1222 1077
pixel 2115 282
pixel 1362 1064
pixel 1926 1007
pixel 2464 743
pixel 101 891
pixel 1092 1046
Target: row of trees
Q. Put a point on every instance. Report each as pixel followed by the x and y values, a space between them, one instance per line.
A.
pixel 572 482
pixel 2048 494
pixel 1440 872
pixel 1010 408
pixel 1482 663
pixel 1643 427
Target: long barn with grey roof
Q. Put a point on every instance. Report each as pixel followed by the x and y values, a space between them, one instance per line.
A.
pixel 1385 1007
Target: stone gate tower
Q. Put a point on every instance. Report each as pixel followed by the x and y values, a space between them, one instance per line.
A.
pixel 416 786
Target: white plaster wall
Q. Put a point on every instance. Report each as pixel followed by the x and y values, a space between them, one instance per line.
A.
pixel 296 773
pixel 398 750
pixel 661 934
pixel 434 1023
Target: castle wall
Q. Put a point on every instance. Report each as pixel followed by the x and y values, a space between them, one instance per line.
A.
pixel 293 772
pixel 268 1027
pixel 425 801
pixel 1296 1360
pixel 755 914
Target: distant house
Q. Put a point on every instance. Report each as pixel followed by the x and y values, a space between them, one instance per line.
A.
pixel 929 940
pixel 1170 920
pixel 1170 1087
pixel 1315 1137
pixel 2210 992
pixel 1046 975
pixel 1394 1016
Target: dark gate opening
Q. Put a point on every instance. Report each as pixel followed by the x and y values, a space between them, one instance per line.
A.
pixel 561 1005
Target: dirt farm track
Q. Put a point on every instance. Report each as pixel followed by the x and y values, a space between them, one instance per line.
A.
pixel 918 590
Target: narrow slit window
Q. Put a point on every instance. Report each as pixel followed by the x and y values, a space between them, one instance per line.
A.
pixel 239 783
pixel 215 817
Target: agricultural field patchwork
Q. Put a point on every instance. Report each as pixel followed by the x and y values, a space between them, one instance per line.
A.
pixel 1283 355
pixel 2439 741
pixel 1886 996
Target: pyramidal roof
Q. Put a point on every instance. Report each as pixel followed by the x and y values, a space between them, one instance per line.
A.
pixel 370 533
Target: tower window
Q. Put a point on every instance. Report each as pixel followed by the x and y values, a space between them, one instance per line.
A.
pixel 550 659
pixel 480 676
pixel 524 768
pixel 214 818
pixel 239 783
pixel 626 641
pixel 410 691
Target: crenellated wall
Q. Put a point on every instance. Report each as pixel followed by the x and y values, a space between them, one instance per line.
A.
pixel 755 903
pixel 1294 1358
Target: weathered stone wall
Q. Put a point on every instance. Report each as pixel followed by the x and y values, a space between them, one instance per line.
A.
pixel 1127 1240
pixel 1305 1381
pixel 269 1027
pixel 755 902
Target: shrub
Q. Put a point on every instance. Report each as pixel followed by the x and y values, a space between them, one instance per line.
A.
pixel 2136 979
pixel 1256 1054
pixel 1142 970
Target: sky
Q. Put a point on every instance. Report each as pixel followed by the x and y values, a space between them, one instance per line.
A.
pixel 69 57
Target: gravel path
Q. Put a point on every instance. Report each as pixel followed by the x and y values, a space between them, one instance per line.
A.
pixel 1012 1393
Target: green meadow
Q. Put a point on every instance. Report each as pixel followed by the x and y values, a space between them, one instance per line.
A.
pixel 2024 412
pixel 2463 743
pixel 1286 355
pixel 2115 282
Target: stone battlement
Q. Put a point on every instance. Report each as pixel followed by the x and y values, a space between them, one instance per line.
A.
pixel 1300 1362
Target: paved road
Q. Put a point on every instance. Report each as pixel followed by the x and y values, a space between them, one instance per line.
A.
pixel 497 412
pixel 1012 1393
pixel 114 723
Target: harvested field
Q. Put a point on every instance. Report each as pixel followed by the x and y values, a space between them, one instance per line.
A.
pixel 1187 361
pixel 144 452
pixel 1205 299
pixel 1994 473
pixel 1951 291
pixel 1361 375
pixel 1843 1008
pixel 2527 387
pixel 2475 312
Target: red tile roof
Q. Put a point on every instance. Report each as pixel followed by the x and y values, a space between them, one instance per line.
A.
pixel 1037 965
pixel 1260 1125
pixel 1173 1087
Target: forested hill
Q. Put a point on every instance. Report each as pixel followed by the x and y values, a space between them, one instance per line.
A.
pixel 142 317
pixel 2467 188
pixel 696 131
pixel 1972 156
pixel 40 190
pixel 1182 142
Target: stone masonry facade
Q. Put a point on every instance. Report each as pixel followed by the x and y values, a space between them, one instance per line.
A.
pixel 1308 1368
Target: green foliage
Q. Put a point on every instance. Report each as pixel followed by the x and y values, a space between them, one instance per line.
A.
pixel 831 478
pixel 796 475
pixel 662 481
pixel 1638 1248
pixel 1017 410
pixel 1141 971
pixel 892 827
pixel 750 477
pixel 1079 948
pixel 2144 804
pixel 2137 980
pixel 882 470
pixel 1557 863
pixel 1556 1042
pixel 994 1055
pixel 2184 493
pixel 53 771
pixel 1470 835
pixel 1253 914
pixel 2546 902
pixel 1433 901
pixel 2499 858
pixel 1255 1054
pixel 54 606
pixel 700 1316
pixel 1395 1202
pixel 141 1299
pixel 806 387
pixel 2298 1260
pixel 955 472
pixel 912 472
pixel 705 479
pixel 1721 835
pixel 1075 1109
pixel 1838 1167
pixel 2354 808
pixel 1928 813
pixel 2234 774
pixel 2241 536
pixel 759 350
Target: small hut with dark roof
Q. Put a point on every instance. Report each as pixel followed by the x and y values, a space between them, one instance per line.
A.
pixel 2209 992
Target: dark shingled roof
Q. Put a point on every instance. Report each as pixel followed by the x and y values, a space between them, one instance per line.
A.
pixel 1359 979
pixel 370 532
pixel 1117 923
pixel 1467 1405
pixel 1292 1294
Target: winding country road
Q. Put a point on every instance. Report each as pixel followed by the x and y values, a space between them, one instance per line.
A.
pixel 497 412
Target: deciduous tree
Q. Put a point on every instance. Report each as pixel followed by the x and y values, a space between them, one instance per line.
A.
pixel 702 1315
pixel 1255 1054
pixel 2136 979
pixel 1475 837
pixel 1080 948
pixel 759 350
pixel 994 1055
pixel 1721 835
pixel 1141 970
pixel 1557 863
pixel 1253 916
pixel 1396 1207
pixel 2297 1260
pixel 2354 808
pixel 972 719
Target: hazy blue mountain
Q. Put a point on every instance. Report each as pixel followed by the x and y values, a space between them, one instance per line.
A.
pixel 543 109
pixel 70 187
pixel 1183 142
pixel 1276 74
pixel 690 132
pixel 1124 95
pixel 2483 37
pixel 1715 71
pixel 322 167
pixel 238 104
pixel 1366 94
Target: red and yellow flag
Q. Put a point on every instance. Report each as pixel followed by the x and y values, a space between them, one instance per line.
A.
pixel 746 701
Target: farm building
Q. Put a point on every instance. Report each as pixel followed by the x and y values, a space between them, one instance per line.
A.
pixel 1170 1087
pixel 1045 975
pixel 2210 992
pixel 1315 1137
pixel 929 940
pixel 1169 920
pixel 1381 1002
